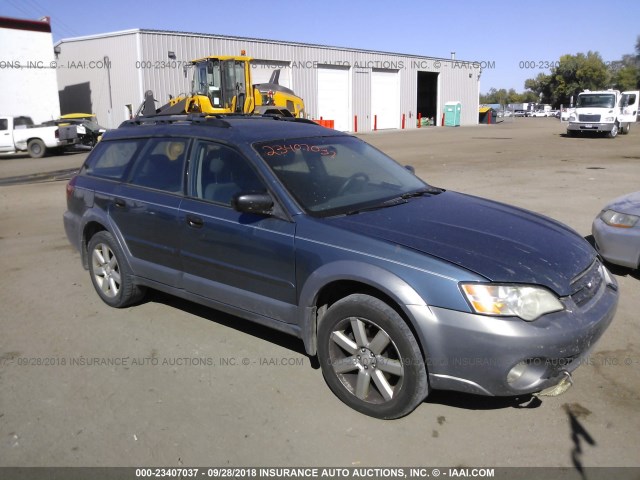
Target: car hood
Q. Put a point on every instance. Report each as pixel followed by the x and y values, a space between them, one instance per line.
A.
pixel 500 242
pixel 629 204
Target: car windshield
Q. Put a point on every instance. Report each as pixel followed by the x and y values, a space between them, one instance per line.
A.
pixel 596 101
pixel 339 175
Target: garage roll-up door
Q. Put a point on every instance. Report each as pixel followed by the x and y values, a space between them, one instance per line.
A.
pixel 334 99
pixel 385 98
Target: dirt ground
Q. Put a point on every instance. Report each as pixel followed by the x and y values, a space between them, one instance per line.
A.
pixel 169 383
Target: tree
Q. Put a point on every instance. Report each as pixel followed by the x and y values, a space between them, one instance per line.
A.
pixel 504 97
pixel 495 96
pixel 626 73
pixel 539 85
pixel 627 78
pixel 573 74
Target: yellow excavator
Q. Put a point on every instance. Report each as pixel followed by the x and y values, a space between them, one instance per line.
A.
pixel 222 85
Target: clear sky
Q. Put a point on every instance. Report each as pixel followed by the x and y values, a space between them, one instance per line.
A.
pixel 501 34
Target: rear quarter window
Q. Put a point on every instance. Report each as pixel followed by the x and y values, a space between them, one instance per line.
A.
pixel 111 159
pixel 22 122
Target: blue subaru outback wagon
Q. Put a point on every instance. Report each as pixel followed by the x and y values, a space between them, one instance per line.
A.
pixel 397 286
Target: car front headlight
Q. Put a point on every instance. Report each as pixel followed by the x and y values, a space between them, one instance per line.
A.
pixel 572 117
pixel 609 119
pixel 620 220
pixel 525 301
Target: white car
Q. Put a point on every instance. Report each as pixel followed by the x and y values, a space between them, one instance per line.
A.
pixel 616 231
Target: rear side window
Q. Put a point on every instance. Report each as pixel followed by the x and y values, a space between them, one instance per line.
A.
pixel 111 159
pixel 22 122
pixel 161 165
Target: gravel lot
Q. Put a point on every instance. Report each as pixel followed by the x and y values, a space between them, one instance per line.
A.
pixel 169 383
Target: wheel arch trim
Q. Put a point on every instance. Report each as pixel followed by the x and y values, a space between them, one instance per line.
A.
pixel 91 216
pixel 412 305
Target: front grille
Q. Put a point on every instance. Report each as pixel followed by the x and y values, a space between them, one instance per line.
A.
pixel 588 118
pixel 587 284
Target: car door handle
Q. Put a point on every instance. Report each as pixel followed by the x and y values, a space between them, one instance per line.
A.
pixel 120 203
pixel 194 222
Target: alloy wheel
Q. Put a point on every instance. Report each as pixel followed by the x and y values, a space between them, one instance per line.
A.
pixel 366 360
pixel 106 270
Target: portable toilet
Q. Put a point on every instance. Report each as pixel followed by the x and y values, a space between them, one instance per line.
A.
pixel 452 114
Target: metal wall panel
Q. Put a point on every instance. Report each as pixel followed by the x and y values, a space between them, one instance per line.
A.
pixel 148 67
pixel 361 99
pixel 100 74
pixel 29 85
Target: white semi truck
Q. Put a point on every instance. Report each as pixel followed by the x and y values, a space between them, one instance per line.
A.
pixel 606 111
pixel 19 134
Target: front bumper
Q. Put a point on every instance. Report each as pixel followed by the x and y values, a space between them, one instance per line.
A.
pixel 617 245
pixel 475 353
pixel 590 127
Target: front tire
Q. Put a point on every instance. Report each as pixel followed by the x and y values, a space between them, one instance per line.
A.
pixel 370 358
pixel 110 275
pixel 36 148
pixel 614 131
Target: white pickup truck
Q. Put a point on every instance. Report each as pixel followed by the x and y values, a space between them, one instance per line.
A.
pixel 608 111
pixel 19 134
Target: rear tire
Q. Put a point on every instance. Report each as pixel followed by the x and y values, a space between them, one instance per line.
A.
pixel 36 148
pixel 626 129
pixel 110 274
pixel 370 358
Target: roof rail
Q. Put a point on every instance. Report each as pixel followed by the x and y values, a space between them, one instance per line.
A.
pixel 198 118
pixel 290 119
pixel 216 120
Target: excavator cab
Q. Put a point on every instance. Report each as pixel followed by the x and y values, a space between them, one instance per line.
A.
pixel 223 81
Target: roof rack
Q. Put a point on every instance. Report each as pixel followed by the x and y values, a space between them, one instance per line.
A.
pixel 170 119
pixel 290 119
pixel 217 120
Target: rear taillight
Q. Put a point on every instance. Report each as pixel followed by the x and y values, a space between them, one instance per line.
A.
pixel 71 186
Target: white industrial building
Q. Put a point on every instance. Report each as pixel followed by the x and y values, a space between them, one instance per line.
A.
pixel 107 74
pixel 29 83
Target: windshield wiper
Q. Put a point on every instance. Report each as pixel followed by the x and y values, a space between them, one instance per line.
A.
pixel 386 204
pixel 421 192
pixel 404 198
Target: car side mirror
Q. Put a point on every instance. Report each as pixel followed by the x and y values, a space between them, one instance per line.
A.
pixel 256 203
pixel 410 168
